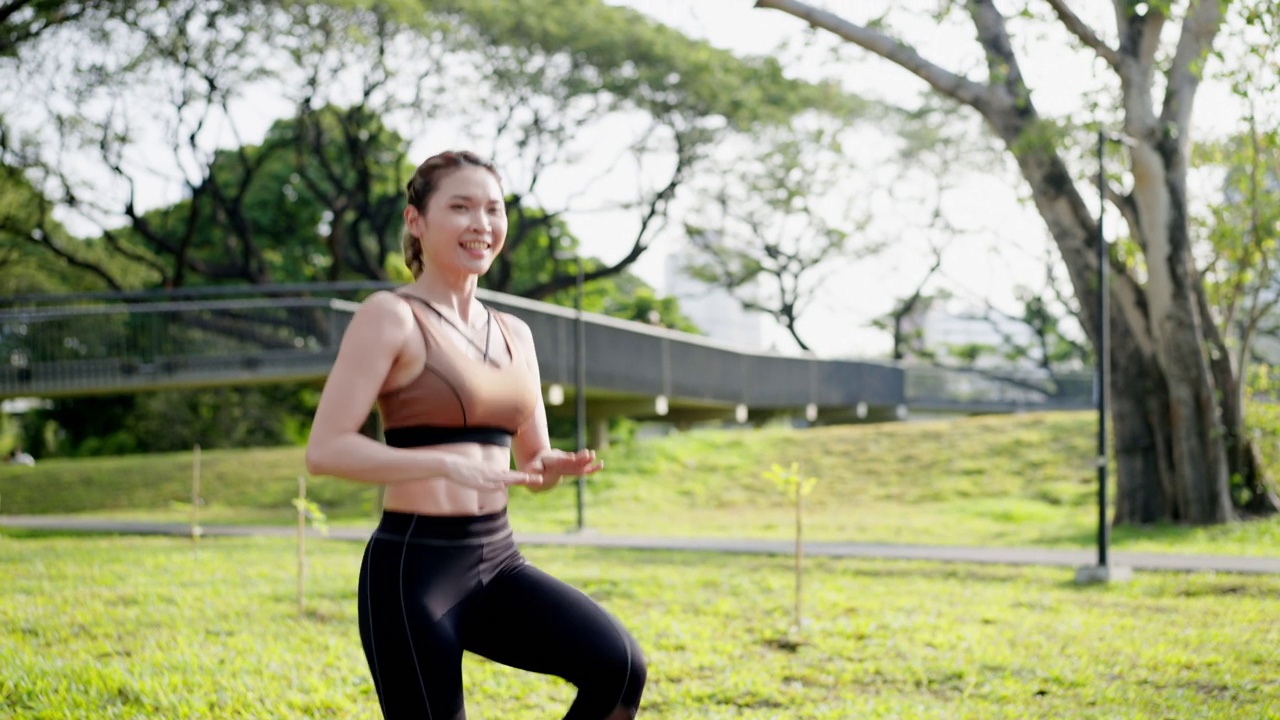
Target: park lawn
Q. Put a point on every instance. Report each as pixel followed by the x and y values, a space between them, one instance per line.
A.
pixel 128 627
pixel 1010 480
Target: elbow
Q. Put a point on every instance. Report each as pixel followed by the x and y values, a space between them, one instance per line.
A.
pixel 315 459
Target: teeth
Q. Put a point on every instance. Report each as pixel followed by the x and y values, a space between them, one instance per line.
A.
pixel 476 245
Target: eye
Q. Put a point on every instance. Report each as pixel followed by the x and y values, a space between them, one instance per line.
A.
pixel 458 206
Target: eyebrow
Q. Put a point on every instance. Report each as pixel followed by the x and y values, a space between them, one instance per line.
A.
pixel 469 198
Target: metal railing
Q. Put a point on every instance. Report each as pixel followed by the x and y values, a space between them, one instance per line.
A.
pixel 933 388
pixel 88 345
pixel 106 343
pixel 121 347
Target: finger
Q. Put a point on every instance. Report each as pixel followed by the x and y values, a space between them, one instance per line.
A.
pixel 594 467
pixel 516 477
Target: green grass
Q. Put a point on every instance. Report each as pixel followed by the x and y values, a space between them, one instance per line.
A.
pixel 996 480
pixel 150 628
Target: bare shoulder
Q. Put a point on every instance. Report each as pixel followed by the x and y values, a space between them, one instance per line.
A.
pixel 520 331
pixel 383 320
pixel 384 307
pixel 517 326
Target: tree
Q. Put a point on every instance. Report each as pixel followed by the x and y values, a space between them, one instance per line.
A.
pixel 1242 277
pixel 772 218
pixel 354 79
pixel 557 71
pixel 22 21
pixel 1176 445
pixel 37 254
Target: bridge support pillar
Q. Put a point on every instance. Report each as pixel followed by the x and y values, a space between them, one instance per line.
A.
pixel 600 433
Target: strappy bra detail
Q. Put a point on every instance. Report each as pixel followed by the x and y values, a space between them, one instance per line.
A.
pixel 457 398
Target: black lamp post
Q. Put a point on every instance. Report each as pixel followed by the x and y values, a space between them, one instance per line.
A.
pixel 1103 361
pixel 579 369
pixel 1103 571
pixel 580 392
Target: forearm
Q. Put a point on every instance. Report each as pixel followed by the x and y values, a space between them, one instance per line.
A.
pixel 549 481
pixel 357 457
pixel 533 463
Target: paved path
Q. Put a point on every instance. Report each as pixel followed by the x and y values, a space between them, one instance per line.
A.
pixel 992 555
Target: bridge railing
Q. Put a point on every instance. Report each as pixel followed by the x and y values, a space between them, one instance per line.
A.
pixel 95 342
pixel 929 387
pixel 53 350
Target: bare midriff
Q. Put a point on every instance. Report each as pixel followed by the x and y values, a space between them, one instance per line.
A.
pixel 441 496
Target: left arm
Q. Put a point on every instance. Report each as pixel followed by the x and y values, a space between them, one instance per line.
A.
pixel 531 444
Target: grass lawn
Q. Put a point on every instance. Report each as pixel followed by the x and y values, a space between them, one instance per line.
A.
pixel 152 628
pixel 998 480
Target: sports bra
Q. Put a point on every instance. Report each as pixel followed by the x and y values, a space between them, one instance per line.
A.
pixel 457 398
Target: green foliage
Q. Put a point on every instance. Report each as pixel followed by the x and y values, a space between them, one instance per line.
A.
pixel 27 231
pixel 173 420
pixel 312 512
pixel 1242 233
pixel 789 481
pixel 644 64
pixel 28 20
pixel 1262 413
pixel 138 627
pixel 318 199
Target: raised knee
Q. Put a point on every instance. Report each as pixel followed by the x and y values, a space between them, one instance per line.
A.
pixel 632 674
pixel 621 669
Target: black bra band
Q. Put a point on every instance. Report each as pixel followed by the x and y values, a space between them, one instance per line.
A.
pixel 422 435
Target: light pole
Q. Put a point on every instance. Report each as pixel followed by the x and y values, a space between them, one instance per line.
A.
pixel 580 391
pixel 1104 358
pixel 1103 571
pixel 579 368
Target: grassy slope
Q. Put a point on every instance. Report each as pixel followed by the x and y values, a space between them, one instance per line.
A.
pixel 998 480
pixel 149 627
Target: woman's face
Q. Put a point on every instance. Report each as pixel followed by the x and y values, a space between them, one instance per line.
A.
pixel 465 225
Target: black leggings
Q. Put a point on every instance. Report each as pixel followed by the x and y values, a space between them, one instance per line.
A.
pixel 431 587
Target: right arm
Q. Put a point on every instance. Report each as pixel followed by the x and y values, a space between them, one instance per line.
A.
pixel 368 351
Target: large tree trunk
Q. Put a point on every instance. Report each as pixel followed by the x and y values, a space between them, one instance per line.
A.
pixel 1172 444
pixel 1201 490
pixel 1141 445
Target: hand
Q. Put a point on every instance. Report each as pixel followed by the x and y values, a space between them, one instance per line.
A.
pixel 488 478
pixel 552 465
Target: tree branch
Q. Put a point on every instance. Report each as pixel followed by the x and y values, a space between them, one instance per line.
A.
pixel 1085 34
pixel 1128 210
pixel 944 81
pixel 1199 29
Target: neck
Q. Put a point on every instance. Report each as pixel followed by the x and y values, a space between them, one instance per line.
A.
pixel 456 292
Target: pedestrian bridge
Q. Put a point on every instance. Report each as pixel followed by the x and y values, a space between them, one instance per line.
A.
pixel 122 343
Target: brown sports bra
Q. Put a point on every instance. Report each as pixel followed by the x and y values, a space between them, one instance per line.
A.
pixel 457 398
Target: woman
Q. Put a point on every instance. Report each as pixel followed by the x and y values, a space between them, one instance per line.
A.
pixel 459 391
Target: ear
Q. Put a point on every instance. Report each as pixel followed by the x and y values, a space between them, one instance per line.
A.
pixel 411 215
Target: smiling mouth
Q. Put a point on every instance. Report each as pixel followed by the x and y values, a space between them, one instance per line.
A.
pixel 475 245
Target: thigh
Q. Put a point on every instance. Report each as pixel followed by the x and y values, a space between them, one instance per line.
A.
pixel 408 616
pixel 528 619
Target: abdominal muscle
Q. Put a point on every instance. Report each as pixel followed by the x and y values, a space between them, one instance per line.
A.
pixel 441 496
